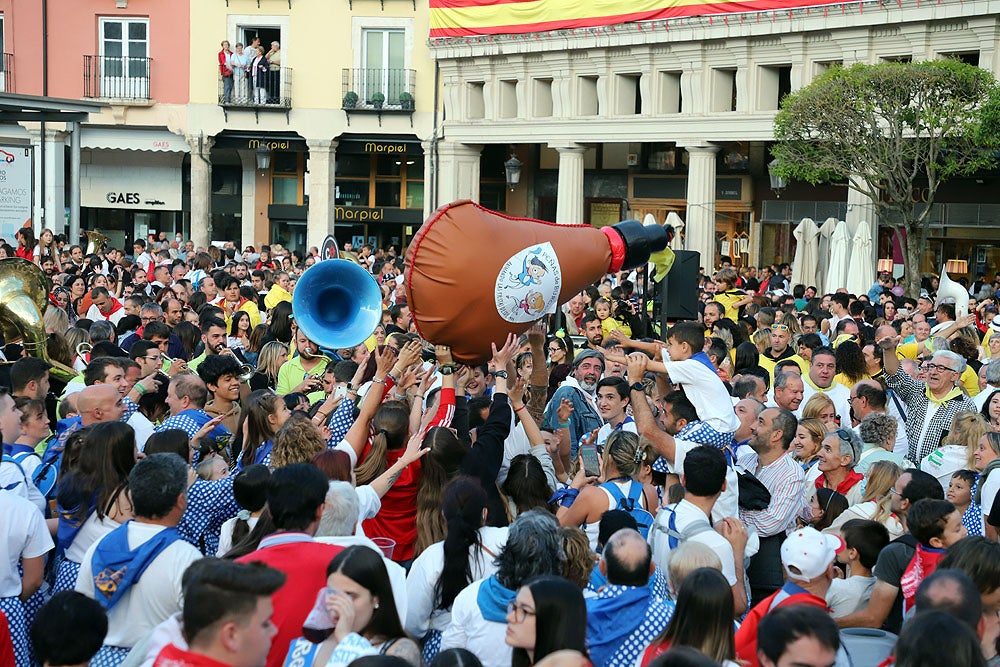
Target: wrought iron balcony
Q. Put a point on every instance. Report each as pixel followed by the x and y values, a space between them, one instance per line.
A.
pixel 116 77
pixel 378 91
pixel 266 92
pixel 7 73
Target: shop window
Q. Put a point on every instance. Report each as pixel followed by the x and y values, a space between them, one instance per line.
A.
pixel 542 98
pixel 353 165
pixel 351 193
pixel 723 90
pixel 391 181
pixel 492 182
pixel 587 99
pixel 285 178
pixel 227 179
pixel 773 83
pixel 670 92
pixel 628 95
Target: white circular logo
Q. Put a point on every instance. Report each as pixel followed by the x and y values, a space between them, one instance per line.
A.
pixel 528 284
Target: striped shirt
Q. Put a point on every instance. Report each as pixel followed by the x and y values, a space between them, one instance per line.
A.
pixel 785 480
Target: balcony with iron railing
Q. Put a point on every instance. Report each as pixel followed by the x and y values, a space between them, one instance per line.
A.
pixel 7 73
pixel 270 92
pixel 117 77
pixel 378 91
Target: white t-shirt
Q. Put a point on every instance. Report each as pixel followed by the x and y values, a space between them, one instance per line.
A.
pixel 688 513
pixel 469 630
pixel 990 489
pixel 605 432
pixel 728 504
pixel 154 598
pixel 23 534
pixel 847 596
pixel 143 429
pixel 226 534
pixel 92 530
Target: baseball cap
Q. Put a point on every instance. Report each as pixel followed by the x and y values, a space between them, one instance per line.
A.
pixel 807 553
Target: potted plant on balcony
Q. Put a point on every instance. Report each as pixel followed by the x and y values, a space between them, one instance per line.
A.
pixel 350 100
pixel 406 101
pixel 378 99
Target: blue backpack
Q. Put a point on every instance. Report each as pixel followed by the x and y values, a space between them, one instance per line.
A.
pixel 631 505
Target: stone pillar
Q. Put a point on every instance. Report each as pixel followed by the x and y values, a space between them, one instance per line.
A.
pixel 55 181
pixel 457 172
pixel 700 222
pixel 74 181
pixel 322 159
pixel 429 177
pixel 201 189
pixel 569 196
pixel 38 197
pixel 248 211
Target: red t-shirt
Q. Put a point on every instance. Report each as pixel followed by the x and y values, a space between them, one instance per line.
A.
pixel 304 563
pixel 171 656
pixel 24 252
pixel 397 519
pixel 746 636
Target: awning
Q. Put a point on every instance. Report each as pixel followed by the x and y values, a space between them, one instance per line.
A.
pixel 160 141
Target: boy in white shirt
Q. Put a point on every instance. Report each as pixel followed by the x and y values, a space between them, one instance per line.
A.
pixel 864 540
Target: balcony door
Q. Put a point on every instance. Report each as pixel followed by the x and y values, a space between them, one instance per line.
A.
pixel 384 60
pixel 124 58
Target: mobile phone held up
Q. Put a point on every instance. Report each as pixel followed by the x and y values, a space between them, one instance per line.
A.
pixel 591 463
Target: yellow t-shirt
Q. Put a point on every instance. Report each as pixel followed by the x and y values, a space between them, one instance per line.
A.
pixel 768 364
pixel 970 381
pixel 610 324
pixel 842 379
pixel 727 299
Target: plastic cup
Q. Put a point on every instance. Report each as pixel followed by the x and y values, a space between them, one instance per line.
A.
pixel 386 544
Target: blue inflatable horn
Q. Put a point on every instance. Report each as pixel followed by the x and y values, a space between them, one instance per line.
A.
pixel 337 304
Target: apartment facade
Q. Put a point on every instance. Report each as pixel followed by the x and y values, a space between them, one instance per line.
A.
pixel 130 54
pixel 675 115
pixel 332 140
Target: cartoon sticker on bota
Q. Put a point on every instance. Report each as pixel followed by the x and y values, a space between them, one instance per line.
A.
pixel 528 284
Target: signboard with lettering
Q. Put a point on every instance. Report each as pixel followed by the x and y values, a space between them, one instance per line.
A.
pixel 16 187
pixel 137 187
pixel 362 214
pixel 380 147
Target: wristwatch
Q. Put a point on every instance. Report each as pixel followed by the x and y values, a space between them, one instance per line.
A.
pixel 637 386
pixel 500 374
pixel 447 369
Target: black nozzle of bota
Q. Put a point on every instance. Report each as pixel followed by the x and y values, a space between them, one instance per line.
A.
pixel 640 241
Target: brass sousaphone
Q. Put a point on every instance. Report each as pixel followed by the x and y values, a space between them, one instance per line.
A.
pixel 95 241
pixel 24 296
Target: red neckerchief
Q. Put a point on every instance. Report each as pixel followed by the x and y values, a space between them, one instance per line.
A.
pixel 925 560
pixel 116 305
pixel 852 478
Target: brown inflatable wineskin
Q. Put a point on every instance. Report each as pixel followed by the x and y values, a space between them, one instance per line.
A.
pixel 467 263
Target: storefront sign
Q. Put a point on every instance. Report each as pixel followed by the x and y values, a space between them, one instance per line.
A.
pixel 378 146
pixel 359 214
pixel 16 185
pixel 134 187
pixel 277 145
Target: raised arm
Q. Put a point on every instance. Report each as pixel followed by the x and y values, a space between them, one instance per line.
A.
pixel 645 423
pixel 539 380
pixel 357 436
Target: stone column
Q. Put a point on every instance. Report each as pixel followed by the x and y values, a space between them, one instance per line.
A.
pixel 322 160
pixel 248 211
pixel 569 196
pixel 201 189
pixel 700 222
pixel 457 172
pixel 55 181
pixel 74 181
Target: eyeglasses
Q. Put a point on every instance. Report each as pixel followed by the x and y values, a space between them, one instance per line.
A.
pixel 556 348
pixel 520 612
pixel 938 367
pixel 894 492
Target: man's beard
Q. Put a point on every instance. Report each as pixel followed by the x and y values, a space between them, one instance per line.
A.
pixel 588 387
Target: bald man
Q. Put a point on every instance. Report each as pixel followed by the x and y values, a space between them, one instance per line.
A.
pixel 100 403
pixel 624 618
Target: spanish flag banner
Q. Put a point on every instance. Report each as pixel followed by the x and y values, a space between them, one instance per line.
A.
pixel 464 18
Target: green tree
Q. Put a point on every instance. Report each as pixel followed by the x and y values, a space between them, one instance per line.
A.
pixel 887 129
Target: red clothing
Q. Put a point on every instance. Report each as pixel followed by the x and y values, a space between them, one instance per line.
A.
pixel 24 252
pixel 116 305
pixel 6 644
pixel 746 636
pixel 397 519
pixel 304 562
pixel 224 68
pixel 171 656
pixel 652 652
pixel 925 560
pixel 849 482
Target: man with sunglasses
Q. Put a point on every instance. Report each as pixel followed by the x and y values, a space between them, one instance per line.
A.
pixel 931 405
pixel 781 349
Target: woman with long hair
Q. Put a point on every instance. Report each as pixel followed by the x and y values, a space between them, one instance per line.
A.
pixel 280 323
pixel 876 502
pixel 250 491
pixel 991 406
pixel 985 461
pixel 93 496
pixel 621 468
pixel 444 568
pixel 254 343
pixel 359 600
pixel 46 248
pixel 747 357
pixel 271 357
pixel 25 237
pixel 703 619
pixel 805 446
pixel 526 486
pixel 189 335
pixel 560 354
pixel 851 365
pixel 265 414
pixel 239 330
pixel 77 287
pixel 825 506
pixel 958 450
pixel 548 615
pixel 821 407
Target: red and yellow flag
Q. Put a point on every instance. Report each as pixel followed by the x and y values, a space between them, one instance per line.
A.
pixel 463 18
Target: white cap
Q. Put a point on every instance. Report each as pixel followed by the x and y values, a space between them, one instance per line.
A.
pixel 807 553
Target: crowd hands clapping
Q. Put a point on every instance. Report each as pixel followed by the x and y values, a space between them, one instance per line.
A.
pixel 746 488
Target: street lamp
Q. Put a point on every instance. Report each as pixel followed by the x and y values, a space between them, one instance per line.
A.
pixel 263 155
pixel 777 182
pixel 513 169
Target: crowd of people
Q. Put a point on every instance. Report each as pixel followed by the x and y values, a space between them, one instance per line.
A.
pixel 251 74
pixel 193 481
